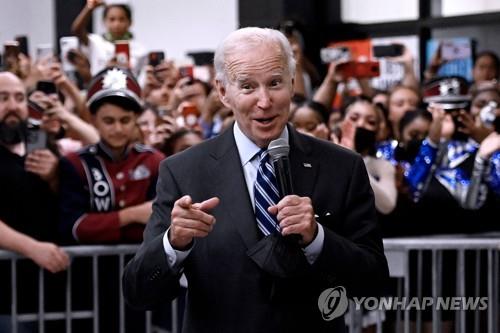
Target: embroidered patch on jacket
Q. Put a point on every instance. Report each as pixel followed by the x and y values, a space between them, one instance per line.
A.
pixel 141 172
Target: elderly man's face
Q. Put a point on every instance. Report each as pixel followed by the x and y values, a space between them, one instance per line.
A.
pixel 259 92
pixel 13 102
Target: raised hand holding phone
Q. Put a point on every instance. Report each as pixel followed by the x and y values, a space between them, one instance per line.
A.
pixel 122 53
pixel 358 70
pixel 43 163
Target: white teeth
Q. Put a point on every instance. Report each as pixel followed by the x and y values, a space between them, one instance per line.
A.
pixel 265 121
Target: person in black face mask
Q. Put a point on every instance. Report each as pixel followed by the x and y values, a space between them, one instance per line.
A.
pixel 359 131
pixel 441 173
pixel 414 127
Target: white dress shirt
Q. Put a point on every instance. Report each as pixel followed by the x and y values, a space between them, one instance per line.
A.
pixel 247 150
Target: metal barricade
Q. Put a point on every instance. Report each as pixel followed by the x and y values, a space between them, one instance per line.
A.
pixel 399 253
pixel 474 262
pixel 68 315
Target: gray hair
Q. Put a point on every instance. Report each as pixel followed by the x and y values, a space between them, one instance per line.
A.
pixel 249 37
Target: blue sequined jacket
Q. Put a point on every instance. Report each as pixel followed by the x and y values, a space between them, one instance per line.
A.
pixel 445 163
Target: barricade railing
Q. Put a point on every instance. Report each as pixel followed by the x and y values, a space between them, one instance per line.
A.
pixel 472 306
pixel 68 314
pixel 407 258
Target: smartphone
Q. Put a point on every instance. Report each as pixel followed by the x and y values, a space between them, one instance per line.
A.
pixel 186 71
pixel 155 58
pixel 331 54
pixel 190 113
pixel 23 45
pixel 454 50
pixel 11 53
pixel 11 48
pixel 35 111
pixel 391 50
pixel 36 138
pixel 202 73
pixel 354 69
pixel 66 44
pixel 47 87
pixel 163 111
pixel 122 53
pixel 44 51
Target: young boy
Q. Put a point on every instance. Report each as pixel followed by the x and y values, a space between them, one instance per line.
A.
pixel 106 189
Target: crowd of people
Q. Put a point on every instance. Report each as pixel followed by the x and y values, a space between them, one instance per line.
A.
pixel 79 157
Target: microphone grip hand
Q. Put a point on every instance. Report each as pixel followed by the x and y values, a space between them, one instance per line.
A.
pixel 296 219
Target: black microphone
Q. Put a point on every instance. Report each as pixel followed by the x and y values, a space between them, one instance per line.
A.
pixel 278 152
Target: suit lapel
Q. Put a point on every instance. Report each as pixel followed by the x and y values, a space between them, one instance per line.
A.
pixel 229 181
pixel 229 184
pixel 304 168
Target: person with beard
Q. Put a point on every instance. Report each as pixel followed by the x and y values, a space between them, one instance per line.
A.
pixel 28 204
pixel 25 182
pixel 358 132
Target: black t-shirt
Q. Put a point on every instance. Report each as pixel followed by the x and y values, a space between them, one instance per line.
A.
pixel 29 206
pixel 26 202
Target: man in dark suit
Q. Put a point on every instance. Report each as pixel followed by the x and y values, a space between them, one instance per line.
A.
pixel 243 276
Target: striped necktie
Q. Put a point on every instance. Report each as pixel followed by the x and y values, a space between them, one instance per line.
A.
pixel 266 195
